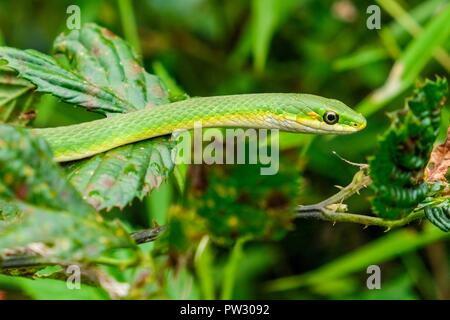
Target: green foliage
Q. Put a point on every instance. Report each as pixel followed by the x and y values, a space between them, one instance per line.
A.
pixel 267 16
pixel 17 100
pixel 374 253
pixel 98 70
pixel 411 62
pixel 29 175
pixel 397 167
pixel 234 208
pixel 49 77
pixel 41 213
pixel 108 63
pixel 115 178
pixel 437 210
pixel 316 47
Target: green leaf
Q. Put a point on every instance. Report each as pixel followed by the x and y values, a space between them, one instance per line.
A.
pixel 267 16
pixel 49 289
pixel 28 174
pixel 231 269
pixel 437 211
pixel 412 61
pixel 397 167
pixel 49 77
pixel 60 236
pixel 378 251
pixel 203 262
pixel 108 63
pixel 16 98
pixel 41 212
pixel 115 178
pixel 104 74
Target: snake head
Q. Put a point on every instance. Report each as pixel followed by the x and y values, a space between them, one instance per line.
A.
pixel 313 114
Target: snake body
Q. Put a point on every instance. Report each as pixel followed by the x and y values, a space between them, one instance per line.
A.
pixel 285 111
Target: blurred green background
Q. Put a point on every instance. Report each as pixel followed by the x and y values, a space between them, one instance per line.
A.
pixel 213 47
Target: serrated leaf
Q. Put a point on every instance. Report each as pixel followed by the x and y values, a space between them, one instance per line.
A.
pixel 398 165
pixel 108 62
pixel 41 212
pixel 49 77
pixel 439 215
pixel 16 98
pixel 28 173
pixel 115 178
pixel 59 236
pixel 98 70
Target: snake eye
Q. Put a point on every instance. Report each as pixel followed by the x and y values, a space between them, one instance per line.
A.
pixel 331 117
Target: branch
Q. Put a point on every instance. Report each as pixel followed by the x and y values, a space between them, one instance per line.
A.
pixel 333 216
pixel 147 235
pixel 331 209
pixel 28 260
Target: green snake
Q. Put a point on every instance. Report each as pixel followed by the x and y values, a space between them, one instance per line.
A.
pixel 284 111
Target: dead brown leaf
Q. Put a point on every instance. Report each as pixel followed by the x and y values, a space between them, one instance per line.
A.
pixel 439 162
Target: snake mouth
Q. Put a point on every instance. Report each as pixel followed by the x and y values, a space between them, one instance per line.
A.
pixel 324 128
pixel 362 125
pixel 298 124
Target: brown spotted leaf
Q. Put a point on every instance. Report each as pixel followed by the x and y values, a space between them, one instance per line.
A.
pixel 439 163
pixel 115 178
pixel 108 63
pixel 17 98
pixel 58 236
pixel 28 174
pixel 96 69
pixel 41 213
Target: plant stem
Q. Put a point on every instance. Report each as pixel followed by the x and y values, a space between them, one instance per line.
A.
pixel 142 236
pixel 329 215
pixel 329 209
pixel 147 235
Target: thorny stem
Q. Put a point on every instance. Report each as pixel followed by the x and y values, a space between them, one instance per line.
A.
pixel 324 210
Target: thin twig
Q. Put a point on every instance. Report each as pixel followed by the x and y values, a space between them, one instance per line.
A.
pixel 330 208
pixel 360 181
pixel 147 235
pixel 333 216
pixel 139 237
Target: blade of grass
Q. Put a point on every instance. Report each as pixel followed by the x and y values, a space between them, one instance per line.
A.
pixel 173 88
pixel 412 61
pixel 383 249
pixel 391 35
pixel 158 203
pixel 410 25
pixel 231 269
pixel 267 16
pixel 418 272
pixel 359 59
pixel 203 265
pixel 129 25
